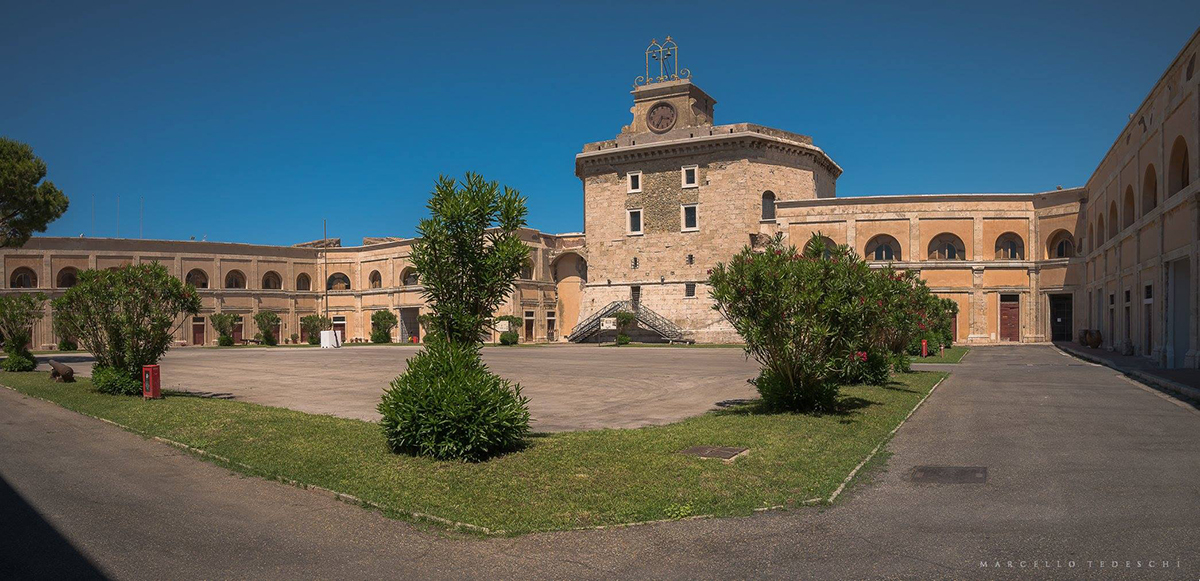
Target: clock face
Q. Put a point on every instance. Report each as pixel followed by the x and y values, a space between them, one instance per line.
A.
pixel 660 117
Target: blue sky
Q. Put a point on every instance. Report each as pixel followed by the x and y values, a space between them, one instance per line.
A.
pixel 251 122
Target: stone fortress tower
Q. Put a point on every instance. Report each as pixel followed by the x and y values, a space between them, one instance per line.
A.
pixel 674 194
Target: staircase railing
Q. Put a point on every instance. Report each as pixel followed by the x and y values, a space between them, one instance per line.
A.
pixel 652 320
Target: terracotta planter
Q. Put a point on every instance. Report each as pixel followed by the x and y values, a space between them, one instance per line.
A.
pixel 1095 338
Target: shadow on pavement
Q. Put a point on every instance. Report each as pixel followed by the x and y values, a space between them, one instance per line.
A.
pixel 31 548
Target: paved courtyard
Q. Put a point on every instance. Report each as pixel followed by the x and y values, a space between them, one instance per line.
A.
pixel 1089 475
pixel 570 387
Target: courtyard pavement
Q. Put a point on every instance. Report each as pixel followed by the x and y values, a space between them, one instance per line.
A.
pixel 1089 475
pixel 570 387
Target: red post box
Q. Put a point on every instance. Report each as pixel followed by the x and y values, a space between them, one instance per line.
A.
pixel 924 348
pixel 151 388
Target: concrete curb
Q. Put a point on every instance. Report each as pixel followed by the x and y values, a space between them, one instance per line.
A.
pixel 1162 384
pixel 886 439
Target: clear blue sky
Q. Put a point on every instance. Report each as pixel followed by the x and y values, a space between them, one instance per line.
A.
pixel 250 122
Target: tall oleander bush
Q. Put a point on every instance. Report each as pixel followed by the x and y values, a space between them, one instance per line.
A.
pixel 447 404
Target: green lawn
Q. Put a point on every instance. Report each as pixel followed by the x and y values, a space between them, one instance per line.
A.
pixel 559 481
pixel 950 355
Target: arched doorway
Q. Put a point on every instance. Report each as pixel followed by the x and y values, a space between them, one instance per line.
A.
pixel 570 274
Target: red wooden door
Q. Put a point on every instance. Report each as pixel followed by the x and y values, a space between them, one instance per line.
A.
pixel 1010 321
pixel 237 333
pixel 198 333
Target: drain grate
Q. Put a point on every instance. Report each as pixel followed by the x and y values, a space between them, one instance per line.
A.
pixel 722 452
pixel 948 474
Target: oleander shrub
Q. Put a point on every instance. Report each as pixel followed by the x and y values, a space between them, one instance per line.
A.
pixel 67 345
pixel 18 312
pixel 266 321
pixel 448 406
pixel 126 317
pixel 225 341
pixel 509 338
pixel 115 381
pixel 813 320
pixel 382 323
pixel 18 362
pixel 623 339
pixel 313 325
pixel 223 324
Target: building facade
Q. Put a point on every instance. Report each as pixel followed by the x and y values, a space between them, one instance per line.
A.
pixel 674 193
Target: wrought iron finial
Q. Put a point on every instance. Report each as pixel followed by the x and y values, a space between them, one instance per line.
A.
pixel 666 57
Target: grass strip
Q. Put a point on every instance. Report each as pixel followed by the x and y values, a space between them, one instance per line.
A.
pixel 560 481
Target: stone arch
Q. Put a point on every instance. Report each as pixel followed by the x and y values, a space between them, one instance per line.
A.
pixel 272 281
pixel 410 277
pixel 1091 237
pixel 1010 246
pixel 882 247
pixel 197 278
pixel 1179 170
pixel 1128 210
pixel 235 279
pixel 1060 245
pixel 1149 190
pixel 570 273
pixel 1100 229
pixel 23 277
pixel 811 246
pixel 303 282
pixel 768 205
pixel 947 246
pixel 337 281
pixel 1112 219
pixel 67 277
pixel 375 280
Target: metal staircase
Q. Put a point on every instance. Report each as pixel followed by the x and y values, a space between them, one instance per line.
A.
pixel 647 319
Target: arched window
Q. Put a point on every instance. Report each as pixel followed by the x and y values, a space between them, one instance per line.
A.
pixel 409 277
pixel 197 278
pixel 768 205
pixel 1060 245
pixel 1149 190
pixel 810 248
pixel 947 246
pixel 235 279
pixel 1009 246
pixel 23 278
pixel 376 279
pixel 337 281
pixel 303 282
pixel 883 247
pixel 272 281
pixel 1128 212
pixel 1100 230
pixel 67 277
pixel 1112 219
pixel 1179 171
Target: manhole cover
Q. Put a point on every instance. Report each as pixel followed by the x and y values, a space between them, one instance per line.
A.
pixel 722 452
pixel 948 474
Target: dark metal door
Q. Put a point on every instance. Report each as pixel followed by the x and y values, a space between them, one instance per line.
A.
pixel 1060 318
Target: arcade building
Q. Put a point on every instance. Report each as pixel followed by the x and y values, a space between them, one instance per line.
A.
pixel 674 193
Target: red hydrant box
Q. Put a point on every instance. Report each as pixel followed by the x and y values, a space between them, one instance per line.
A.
pixel 150 382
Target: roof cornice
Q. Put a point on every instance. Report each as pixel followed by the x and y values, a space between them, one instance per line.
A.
pixel 706 143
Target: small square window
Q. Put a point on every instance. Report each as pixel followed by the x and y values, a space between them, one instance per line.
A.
pixel 1126 296
pixel 691 259
pixel 1149 291
pixel 689 289
pixel 689 219
pixel 634 222
pixel 689 177
pixel 635 181
pixel 633 263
